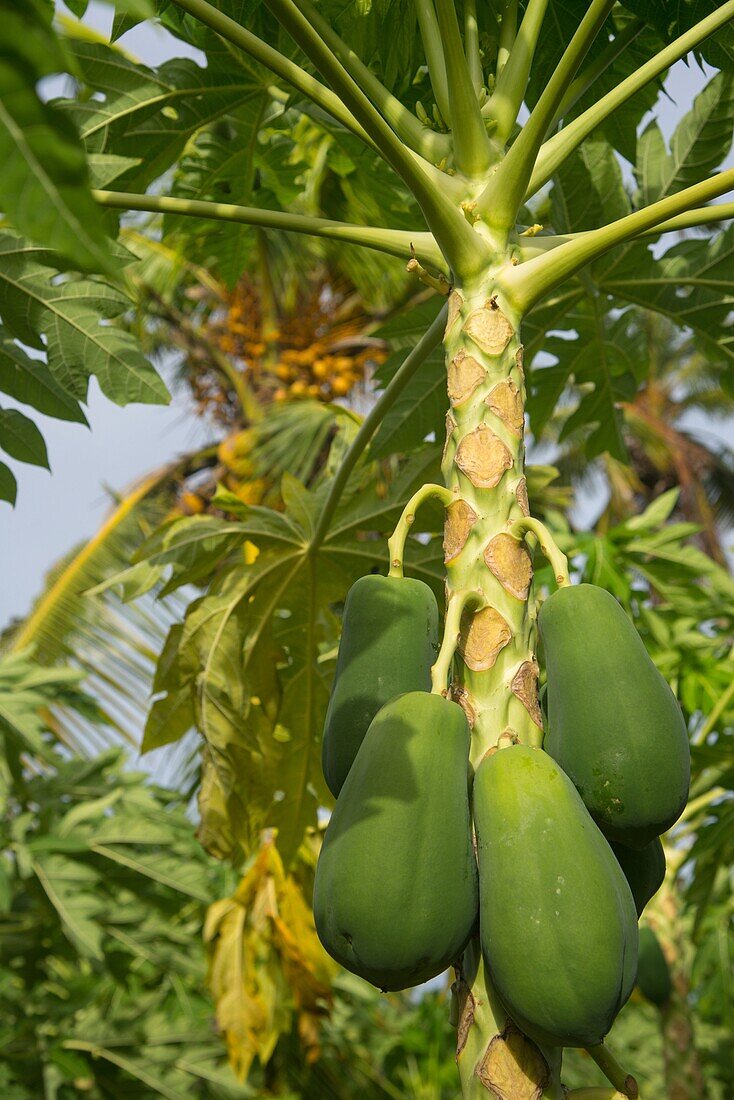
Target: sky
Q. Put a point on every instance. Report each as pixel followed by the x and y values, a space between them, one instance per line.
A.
pixel 57 510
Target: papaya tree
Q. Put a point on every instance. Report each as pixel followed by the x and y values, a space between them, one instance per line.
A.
pixel 517 97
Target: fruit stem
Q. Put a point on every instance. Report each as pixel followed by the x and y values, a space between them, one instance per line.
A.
pixel 452 629
pixel 396 542
pixel 624 1082
pixel 548 546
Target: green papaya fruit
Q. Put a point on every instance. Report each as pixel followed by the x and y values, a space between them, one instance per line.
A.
pixel 389 642
pixel 395 894
pixel 614 725
pixel 643 868
pixel 653 974
pixel 557 919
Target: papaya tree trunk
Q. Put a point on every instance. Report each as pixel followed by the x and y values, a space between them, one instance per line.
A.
pixel 496 673
pixel 683 1074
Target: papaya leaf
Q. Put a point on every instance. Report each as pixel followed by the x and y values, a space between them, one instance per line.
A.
pixel 699 144
pixel 656 513
pixel 8 484
pixel 163 867
pixel 671 18
pixel 105 168
pixel 21 439
pixel 149 115
pixel 18 721
pixel 689 284
pixel 219 165
pixel 588 189
pixel 70 318
pixel 44 185
pixel 168 720
pixel 254 657
pixel 31 382
pixel 601 359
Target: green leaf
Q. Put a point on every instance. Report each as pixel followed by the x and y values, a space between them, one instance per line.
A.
pixel 671 20
pixel 161 867
pixel 24 690
pixel 600 360
pixel 149 115
pixel 128 14
pixel 699 144
pixel 130 583
pixel 135 9
pixel 105 168
pixel 193 546
pixel 8 484
pixel 168 720
pixel 690 284
pixel 44 184
pixel 70 886
pixel 656 513
pixel 421 408
pixel 219 166
pixel 256 652
pixel 21 439
pixel 31 382
pixel 73 317
pixel 588 190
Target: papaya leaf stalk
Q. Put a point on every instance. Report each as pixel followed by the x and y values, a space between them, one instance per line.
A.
pixel 392 242
pixel 472 150
pixel 529 282
pixel 463 248
pixel 502 198
pixel 581 84
pixel 689 219
pixel 509 91
pixel 277 63
pixel 508 33
pixel 428 143
pixel 471 45
pixel 433 49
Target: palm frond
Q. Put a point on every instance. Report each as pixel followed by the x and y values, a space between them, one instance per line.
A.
pixel 115 645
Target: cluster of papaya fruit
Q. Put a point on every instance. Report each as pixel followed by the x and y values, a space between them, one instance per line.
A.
pixel 316 349
pixel 548 854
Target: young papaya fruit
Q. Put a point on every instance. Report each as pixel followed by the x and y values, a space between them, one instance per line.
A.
pixel 614 725
pixel 653 974
pixel 643 868
pixel 389 642
pixel 558 926
pixel 395 894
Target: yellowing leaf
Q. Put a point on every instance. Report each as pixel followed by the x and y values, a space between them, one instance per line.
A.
pixel 266 963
